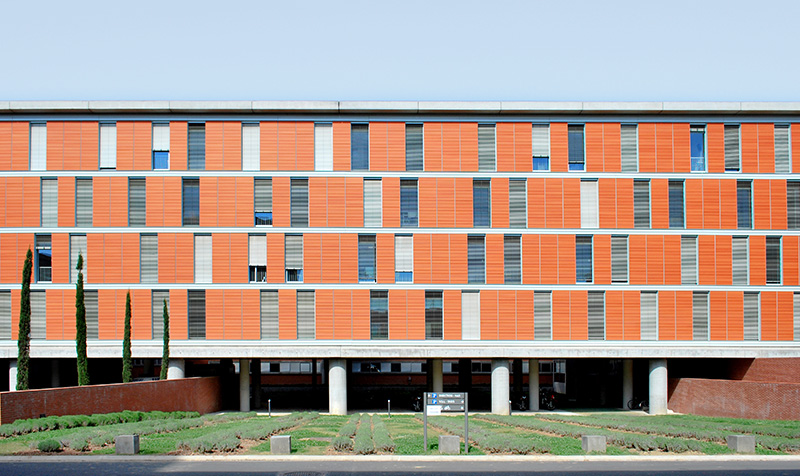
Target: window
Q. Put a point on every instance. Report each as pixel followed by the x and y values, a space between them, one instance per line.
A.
pixel 38 147
pixel 92 315
pixel 294 258
pixel 577 159
pixel 366 258
pixel 744 212
pixel 197 146
pixel 77 247
pixel 148 257
pixel 517 203
pixel 49 205
pixel 583 259
pixel 323 147
pixel 263 201
pixel 512 265
pixel 793 204
pixel 306 328
pixel 372 202
pixel 688 260
pixel 731 148
pixel 470 315
pixel 108 146
pixel 379 315
pixel 542 316
pixel 408 203
pixel 751 316
pixel 414 147
pixel 697 139
pixel 641 204
pixel 433 314
pixel 699 315
pixel 251 146
pixel 359 147
pixel 476 259
pixel 159 298
pixel 597 315
pixel 137 202
pixel 783 161
pixel 203 268
pixel 83 202
pixel 619 259
pixel 5 315
pixel 403 258
pixel 588 203
pixel 540 137
pixel 43 259
pixel 481 203
pixel 486 147
pixel 648 308
pixel 160 146
pixel 197 314
pixel 269 315
pixel 629 147
pixel 39 314
pixel 676 203
pixel 299 213
pixel 739 261
pixel 773 260
pixel 191 202
pixel 257 252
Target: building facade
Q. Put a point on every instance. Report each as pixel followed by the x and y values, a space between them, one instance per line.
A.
pixel 382 231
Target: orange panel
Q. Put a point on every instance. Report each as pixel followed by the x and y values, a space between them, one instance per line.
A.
pixel 66 201
pixel 761 205
pixel 614 315
pixel 505 147
pixel 572 203
pixel 226 201
pixel 715 139
pixel 312 258
pixel 14 193
pixel 440 258
pixel 548 259
pixel 397 146
pixel 172 201
pixel 554 203
pixel 659 203
pixel 361 317
pixel 711 205
pixel 287 146
pixel 666 315
pixel 178 145
pixel 647 147
pixel 341 146
pixel 727 191
pixel 451 319
pixel 785 316
pixel 489 324
pixel 184 268
pixel 440 142
pixel 612 147
pixel 450 146
pixel 607 202
pixel 494 259
pixel 536 203
pixel 655 259
pixel 305 146
pixel 724 264
pixel 397 314
pixel 55 145
pixel 118 195
pixel 354 201
pixel 717 315
pixel 19 145
pixel 143 146
pixel 769 316
pixel 15 305
pixel 445 202
pixel 500 204
pixel 594 147
pixel 683 315
pixel 624 203
pixel 130 258
pixel 330 258
pixel 559 147
pixel 602 259
pixel 323 299
pixel 208 201
pixel 54 309
pixel 579 318
pixel 125 143
pixel 637 258
pixel 166 257
pixel 790 261
pixel 463 206
pixel 523 147
pixel 348 252
pixel 95 247
pixel 694 203
pixel 566 259
pixel 778 208
pixel 664 157
pixel 384 258
pixel 244 201
pixel 269 145
pixel 107 313
pixel 681 141
pixel 758 260
pixel 507 315
pixel 530 259
pixel 31 206
pixel 178 314
pixel 232 146
pixel 458 259
pixel 416 314
pixel 427 202
pixel 215 311
pixel 72 146
pixel 379 146
pixel 275 258
pixel 90 146
pixel 154 207
pixel 422 258
pixel 749 147
pixel 391 201
pixel 706 260
pixel 317 201
pixel 632 319
pixel 672 259
pixel 795 138
pixel 469 146
pixel 238 265
pixel 281 209
pixel 287 314
pixel 232 320
pixel 524 315
pixel 5 146
pixel 735 315
pixel 561 314
pixel 337 212
pixel 3 203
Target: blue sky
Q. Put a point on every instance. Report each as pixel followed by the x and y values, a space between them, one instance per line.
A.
pixel 402 50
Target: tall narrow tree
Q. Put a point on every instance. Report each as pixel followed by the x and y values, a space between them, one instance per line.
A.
pixel 127 363
pixel 165 353
pixel 24 335
pixel 80 327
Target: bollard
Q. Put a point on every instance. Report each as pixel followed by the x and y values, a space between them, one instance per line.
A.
pixel 269 407
pixel 389 408
pixel 510 408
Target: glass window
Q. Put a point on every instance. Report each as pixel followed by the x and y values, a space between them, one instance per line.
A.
pixel 294 258
pixel 481 203
pixel 197 146
pixel 43 264
pixel 251 146
pixel 306 312
pixel 732 148
pixel 197 314
pixel 38 147
pixel 783 157
pixel 323 147
pixel 744 213
pixel 403 258
pixel 517 203
pixel 619 259
pixel 629 147
pixel 299 205
pixel 641 204
pixel 576 147
pixel 257 253
pixel 108 146
pixel 137 202
pixel 583 259
pixel 676 204
pixel 366 258
pixel 433 314
pixel 773 260
pixel 512 264
pixel 148 249
pixel 359 147
pixel 191 202
pixel 697 137
pixel 160 146
pixel 793 204
pixel 379 314
pixel 414 147
pixel 486 147
pixel 83 202
pixel 263 201
pixel 49 213
pixel 476 259
pixel 540 135
pixel 408 203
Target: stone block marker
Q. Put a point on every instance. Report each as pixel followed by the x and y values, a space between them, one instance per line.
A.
pixel 591 443
pixel 126 445
pixel 449 444
pixel 742 443
pixel 280 444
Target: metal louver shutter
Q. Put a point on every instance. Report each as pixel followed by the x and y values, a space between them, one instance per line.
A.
pixel 108 146
pixel 676 204
pixel 83 202
pixel 486 147
pixel 161 137
pixel 408 203
pixel 649 315
pixel 641 204
pixel 751 316
pixel 366 258
pixel 49 202
pixel 404 253
pixel 476 259
pixel 299 204
pixel 433 315
pixel 744 213
pixel 773 260
pixel 38 147
pixel 731 147
pixel 540 137
pixel 148 247
pixel 251 146
pixel 576 145
pixel 5 315
pixel 619 259
pixel 38 315
pixel 512 266
pixel 92 315
pixel 263 195
pixel 517 203
pixel 197 314
pixel 470 315
pixel 372 203
pixel 414 151
pixel 359 146
pixel 157 313
pixel 481 203
pixel 379 315
pixel 257 247
pixel 739 259
pixel 793 204
pixel 197 146
pixel 629 147
pixel 597 315
pixel 542 316
pixel 783 163
pixel 269 314
pixel 323 147
pixel 699 316
pixel 294 252
pixel 305 315
pixel 688 260
pixel 588 204
pixel 77 245
pixel 137 202
pixel 202 259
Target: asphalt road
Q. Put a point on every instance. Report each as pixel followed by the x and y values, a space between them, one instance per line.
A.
pixel 626 467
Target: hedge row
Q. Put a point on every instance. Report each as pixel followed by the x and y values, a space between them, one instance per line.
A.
pixel 380 435
pixel 343 441
pixel 362 443
pixel 488 440
pixel 21 427
pixel 229 439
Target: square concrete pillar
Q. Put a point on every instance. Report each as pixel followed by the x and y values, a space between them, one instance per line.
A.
pixel 742 443
pixel 449 444
pixel 591 443
pixel 280 444
pixel 126 444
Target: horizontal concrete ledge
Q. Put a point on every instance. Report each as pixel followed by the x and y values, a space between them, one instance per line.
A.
pixel 399 107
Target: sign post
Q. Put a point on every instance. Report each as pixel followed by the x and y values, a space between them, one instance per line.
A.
pixel 436 403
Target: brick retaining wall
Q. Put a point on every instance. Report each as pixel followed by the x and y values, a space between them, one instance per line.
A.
pixel 734 398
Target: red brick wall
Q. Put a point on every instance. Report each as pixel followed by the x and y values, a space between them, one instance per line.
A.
pixel 190 394
pixel 767 370
pixel 735 399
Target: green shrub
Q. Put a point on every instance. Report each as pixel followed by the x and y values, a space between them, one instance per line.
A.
pixel 383 442
pixel 49 446
pixel 362 444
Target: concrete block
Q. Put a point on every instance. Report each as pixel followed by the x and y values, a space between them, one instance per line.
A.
pixel 280 444
pixel 742 443
pixel 449 444
pixel 126 444
pixel 591 443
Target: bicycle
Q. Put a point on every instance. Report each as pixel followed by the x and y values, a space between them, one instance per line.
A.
pixel 635 404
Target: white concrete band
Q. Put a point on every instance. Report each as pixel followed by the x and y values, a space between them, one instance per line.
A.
pixel 658 387
pixel 533 384
pixel 244 385
pixel 337 387
pixel 177 369
pixel 500 387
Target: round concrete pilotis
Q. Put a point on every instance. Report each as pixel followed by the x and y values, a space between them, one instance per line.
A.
pixel 533 384
pixel 244 385
pixel 658 386
pixel 500 389
pixel 177 369
pixel 337 381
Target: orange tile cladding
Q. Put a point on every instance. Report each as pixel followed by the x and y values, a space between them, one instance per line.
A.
pixel 445 203
pixel 178 314
pixel 31 206
pixel 323 299
pixel 785 316
pixel 178 145
pixel 681 147
pixel 398 311
pixel 317 201
pixel 506 161
pixel 494 259
pixel 66 201
pixel 434 136
pixel 208 201
pixel 769 316
pixel 384 258
pixel 440 258
pixel 397 146
pixel 341 146
pixel 647 147
pixel 215 311
pixel 500 203
pixel 142 145
pixel 348 253
pixel 524 315
pixel 664 154
pixel 141 314
pixel 715 140
pixel 244 201
pixel 184 268
pixel 416 314
pixel 778 208
pixel 422 258
pixel 489 323
pixel 275 258
pixel 463 206
pixel 354 202
pixel 594 147
pixel 790 260
pixel 391 201
pixel 602 259
pixel 559 147
pixel 758 260
pixel 269 145
pixel 379 146
pixel 281 209
pixel 427 202
pixel 614 315
pixel 507 315
pixel 458 259
pixel 361 317
pixel 749 148
pixel 451 318
pixel 632 323
pixel 172 201
pixel 659 203
pixel 287 314
pixel 312 258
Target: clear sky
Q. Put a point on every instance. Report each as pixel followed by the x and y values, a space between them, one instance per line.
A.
pixel 401 50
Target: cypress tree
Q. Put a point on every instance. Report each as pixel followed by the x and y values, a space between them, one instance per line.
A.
pixel 165 354
pixel 127 363
pixel 24 335
pixel 80 327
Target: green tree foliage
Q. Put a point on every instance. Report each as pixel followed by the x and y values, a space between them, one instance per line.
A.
pixel 24 336
pixel 80 327
pixel 127 362
pixel 165 354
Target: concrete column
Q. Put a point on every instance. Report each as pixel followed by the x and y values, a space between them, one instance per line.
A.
pixel 500 390
pixel 627 382
pixel 55 379
pixel 177 369
pixel 12 375
pixel 244 385
pixel 255 370
pixel 658 386
pixel 533 384
pixel 437 376
pixel 337 387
